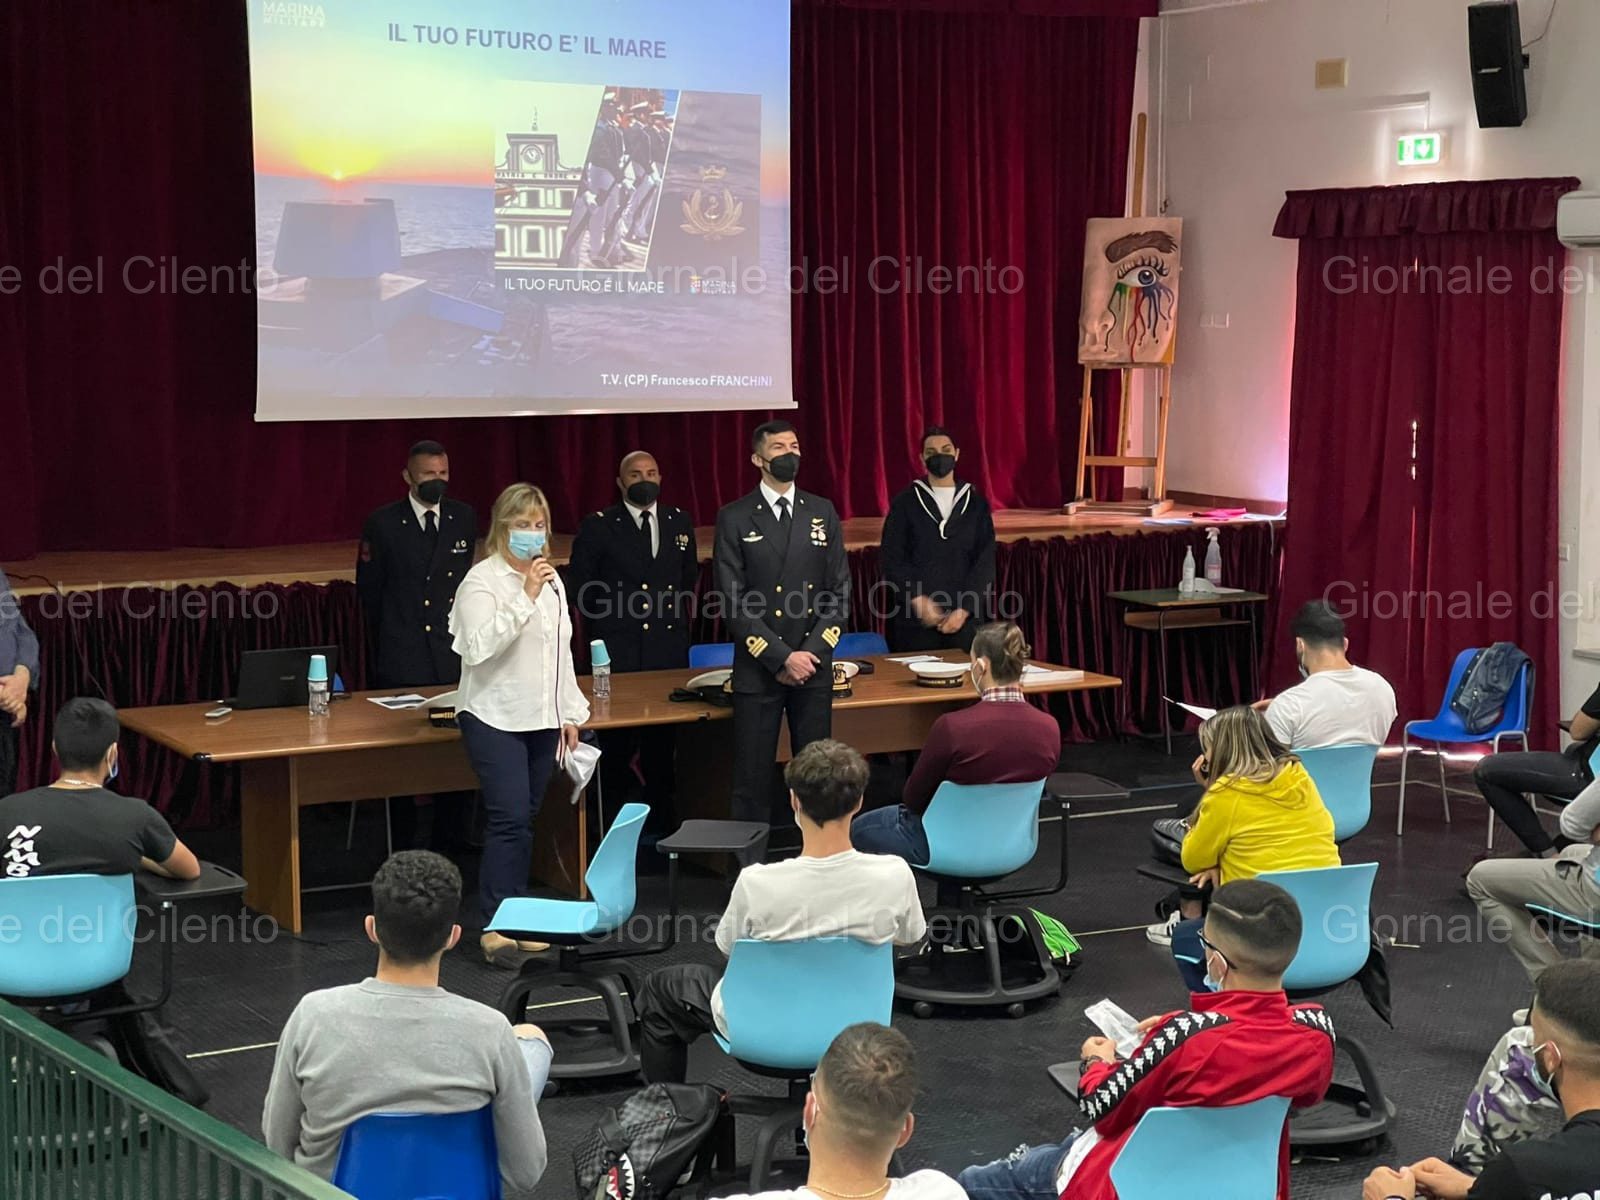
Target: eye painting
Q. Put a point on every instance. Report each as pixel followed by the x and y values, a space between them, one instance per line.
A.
pixel 1130 290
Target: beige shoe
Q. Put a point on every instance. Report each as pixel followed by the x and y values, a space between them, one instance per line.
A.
pixel 500 951
pixel 533 947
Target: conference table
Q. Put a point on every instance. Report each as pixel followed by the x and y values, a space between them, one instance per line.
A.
pixel 290 760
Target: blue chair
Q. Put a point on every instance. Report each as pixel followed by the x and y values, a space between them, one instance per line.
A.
pixel 574 926
pixel 1343 775
pixel 785 1002
pixel 1335 943
pixel 420 1156
pixel 1446 729
pixel 708 656
pixel 860 645
pixel 1236 1147
pixel 979 834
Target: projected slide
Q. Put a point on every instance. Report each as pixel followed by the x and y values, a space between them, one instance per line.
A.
pixel 502 207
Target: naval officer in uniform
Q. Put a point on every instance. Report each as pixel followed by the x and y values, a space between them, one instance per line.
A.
pixel 413 556
pixel 632 577
pixel 785 587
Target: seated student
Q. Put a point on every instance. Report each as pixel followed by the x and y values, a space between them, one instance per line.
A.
pixel 1506 779
pixel 1260 812
pixel 1245 1043
pixel 1508 1104
pixel 857 1114
pixel 831 890
pixel 1000 739
pixel 1566 1056
pixel 398 1042
pixel 1502 888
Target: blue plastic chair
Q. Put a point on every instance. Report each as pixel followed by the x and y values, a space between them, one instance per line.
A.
pixel 1236 1147
pixel 708 656
pixel 1446 729
pixel 66 935
pixel 420 1156
pixel 980 833
pixel 574 925
pixel 860 645
pixel 1343 775
pixel 785 1002
pixel 1335 941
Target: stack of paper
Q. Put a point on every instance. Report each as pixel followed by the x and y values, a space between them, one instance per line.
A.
pixel 1034 673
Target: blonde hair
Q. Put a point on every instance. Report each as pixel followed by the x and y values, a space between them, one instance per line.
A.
pixel 1239 744
pixel 1003 645
pixel 512 503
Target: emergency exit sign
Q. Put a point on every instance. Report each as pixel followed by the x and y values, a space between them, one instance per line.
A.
pixel 1419 149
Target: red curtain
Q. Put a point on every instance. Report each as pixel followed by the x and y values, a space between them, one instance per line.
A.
pixel 955 134
pixel 1423 446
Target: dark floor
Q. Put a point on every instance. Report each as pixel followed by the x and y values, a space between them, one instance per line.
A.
pixel 984 1085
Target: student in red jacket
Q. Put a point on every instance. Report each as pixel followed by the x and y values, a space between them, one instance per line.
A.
pixel 1000 739
pixel 1243 1043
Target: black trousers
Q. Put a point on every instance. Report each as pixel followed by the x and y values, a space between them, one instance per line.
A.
pixel 657 749
pixel 757 717
pixel 450 834
pixel 1502 778
pixel 674 1007
pixel 10 738
pixel 911 634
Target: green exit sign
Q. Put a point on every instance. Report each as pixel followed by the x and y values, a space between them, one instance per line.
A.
pixel 1419 149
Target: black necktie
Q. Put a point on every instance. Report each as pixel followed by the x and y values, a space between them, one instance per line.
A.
pixel 783 512
pixel 430 525
pixel 644 533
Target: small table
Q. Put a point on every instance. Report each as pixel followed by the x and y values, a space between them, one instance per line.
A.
pixel 1162 609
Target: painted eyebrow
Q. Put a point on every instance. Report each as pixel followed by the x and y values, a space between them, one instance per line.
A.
pixel 1134 242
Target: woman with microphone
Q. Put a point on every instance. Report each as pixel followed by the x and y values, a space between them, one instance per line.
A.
pixel 519 705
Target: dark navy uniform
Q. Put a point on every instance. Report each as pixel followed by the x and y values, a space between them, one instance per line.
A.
pixel 950 560
pixel 785 587
pixel 407 581
pixel 640 602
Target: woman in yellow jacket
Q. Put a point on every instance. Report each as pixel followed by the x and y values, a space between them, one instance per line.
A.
pixel 1260 812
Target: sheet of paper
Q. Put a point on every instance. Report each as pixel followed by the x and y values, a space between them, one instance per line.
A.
pixel 1199 710
pixel 410 700
pixel 1040 675
pixel 1225 591
pixel 1169 521
pixel 911 658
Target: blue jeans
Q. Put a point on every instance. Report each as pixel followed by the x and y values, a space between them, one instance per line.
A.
pixel 513 772
pixel 893 829
pixel 1189 954
pixel 1027 1173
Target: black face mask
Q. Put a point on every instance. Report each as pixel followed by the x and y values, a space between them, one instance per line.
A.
pixel 940 465
pixel 431 491
pixel 643 493
pixel 784 468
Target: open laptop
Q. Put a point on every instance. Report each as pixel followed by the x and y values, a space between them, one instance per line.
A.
pixel 277 678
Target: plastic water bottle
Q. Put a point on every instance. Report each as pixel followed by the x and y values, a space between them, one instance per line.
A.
pixel 1214 559
pixel 600 663
pixel 1186 585
pixel 317 686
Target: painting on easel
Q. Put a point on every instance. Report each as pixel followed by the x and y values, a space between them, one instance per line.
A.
pixel 1130 290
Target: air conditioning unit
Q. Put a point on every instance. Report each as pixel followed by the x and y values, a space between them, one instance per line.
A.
pixel 1578 219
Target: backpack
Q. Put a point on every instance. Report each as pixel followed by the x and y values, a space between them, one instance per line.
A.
pixel 664 1136
pixel 1480 697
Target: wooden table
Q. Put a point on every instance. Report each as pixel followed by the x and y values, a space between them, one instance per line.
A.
pixel 289 760
pixel 1162 609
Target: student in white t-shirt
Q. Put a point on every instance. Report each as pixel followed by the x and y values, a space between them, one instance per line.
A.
pixel 831 890
pixel 857 1114
pixel 1338 704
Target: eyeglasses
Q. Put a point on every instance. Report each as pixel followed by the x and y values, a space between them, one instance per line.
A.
pixel 1212 948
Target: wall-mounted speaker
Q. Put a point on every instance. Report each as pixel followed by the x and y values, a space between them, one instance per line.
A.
pixel 1494 36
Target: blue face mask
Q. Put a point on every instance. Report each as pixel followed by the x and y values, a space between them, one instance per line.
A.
pixel 112 773
pixel 526 543
pixel 1212 985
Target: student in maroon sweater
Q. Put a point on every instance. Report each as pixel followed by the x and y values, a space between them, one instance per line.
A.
pixel 1000 739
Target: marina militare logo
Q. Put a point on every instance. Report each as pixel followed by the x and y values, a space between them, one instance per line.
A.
pixel 292 12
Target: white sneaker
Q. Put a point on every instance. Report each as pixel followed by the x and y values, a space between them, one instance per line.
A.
pixel 1161 932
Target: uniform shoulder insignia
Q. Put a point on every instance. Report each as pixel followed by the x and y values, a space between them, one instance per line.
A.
pixel 831 636
pixel 1313 1016
pixel 756 645
pixel 1162 1041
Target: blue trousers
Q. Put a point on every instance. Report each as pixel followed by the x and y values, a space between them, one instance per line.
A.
pixel 513 772
pixel 1189 955
pixel 893 829
pixel 1027 1173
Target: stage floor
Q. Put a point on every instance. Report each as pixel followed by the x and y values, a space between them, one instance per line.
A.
pixel 333 562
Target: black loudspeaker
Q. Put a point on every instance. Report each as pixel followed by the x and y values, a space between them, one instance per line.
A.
pixel 1494 34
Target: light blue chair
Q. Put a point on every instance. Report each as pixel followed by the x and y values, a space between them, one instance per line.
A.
pixel 860 645
pixel 979 834
pixel 420 1156
pixel 575 926
pixel 785 1002
pixel 1335 943
pixel 1446 729
pixel 708 656
pixel 1236 1147
pixel 1343 775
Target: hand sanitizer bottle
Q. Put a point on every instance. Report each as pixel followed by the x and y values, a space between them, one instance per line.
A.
pixel 1214 559
pixel 1187 586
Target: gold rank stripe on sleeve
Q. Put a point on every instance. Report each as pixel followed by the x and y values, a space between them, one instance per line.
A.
pixel 756 645
pixel 831 636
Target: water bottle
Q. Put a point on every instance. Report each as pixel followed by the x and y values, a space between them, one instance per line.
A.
pixel 1186 585
pixel 600 664
pixel 1214 559
pixel 317 686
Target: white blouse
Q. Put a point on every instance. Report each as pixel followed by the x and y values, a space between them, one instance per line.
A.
pixel 516 653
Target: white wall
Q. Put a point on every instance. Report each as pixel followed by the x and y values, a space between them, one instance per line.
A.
pixel 1239 122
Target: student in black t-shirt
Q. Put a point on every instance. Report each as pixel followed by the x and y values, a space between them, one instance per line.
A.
pixel 1506 779
pixel 77 825
pixel 1566 1056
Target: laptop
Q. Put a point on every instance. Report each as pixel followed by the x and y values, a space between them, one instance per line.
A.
pixel 277 678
